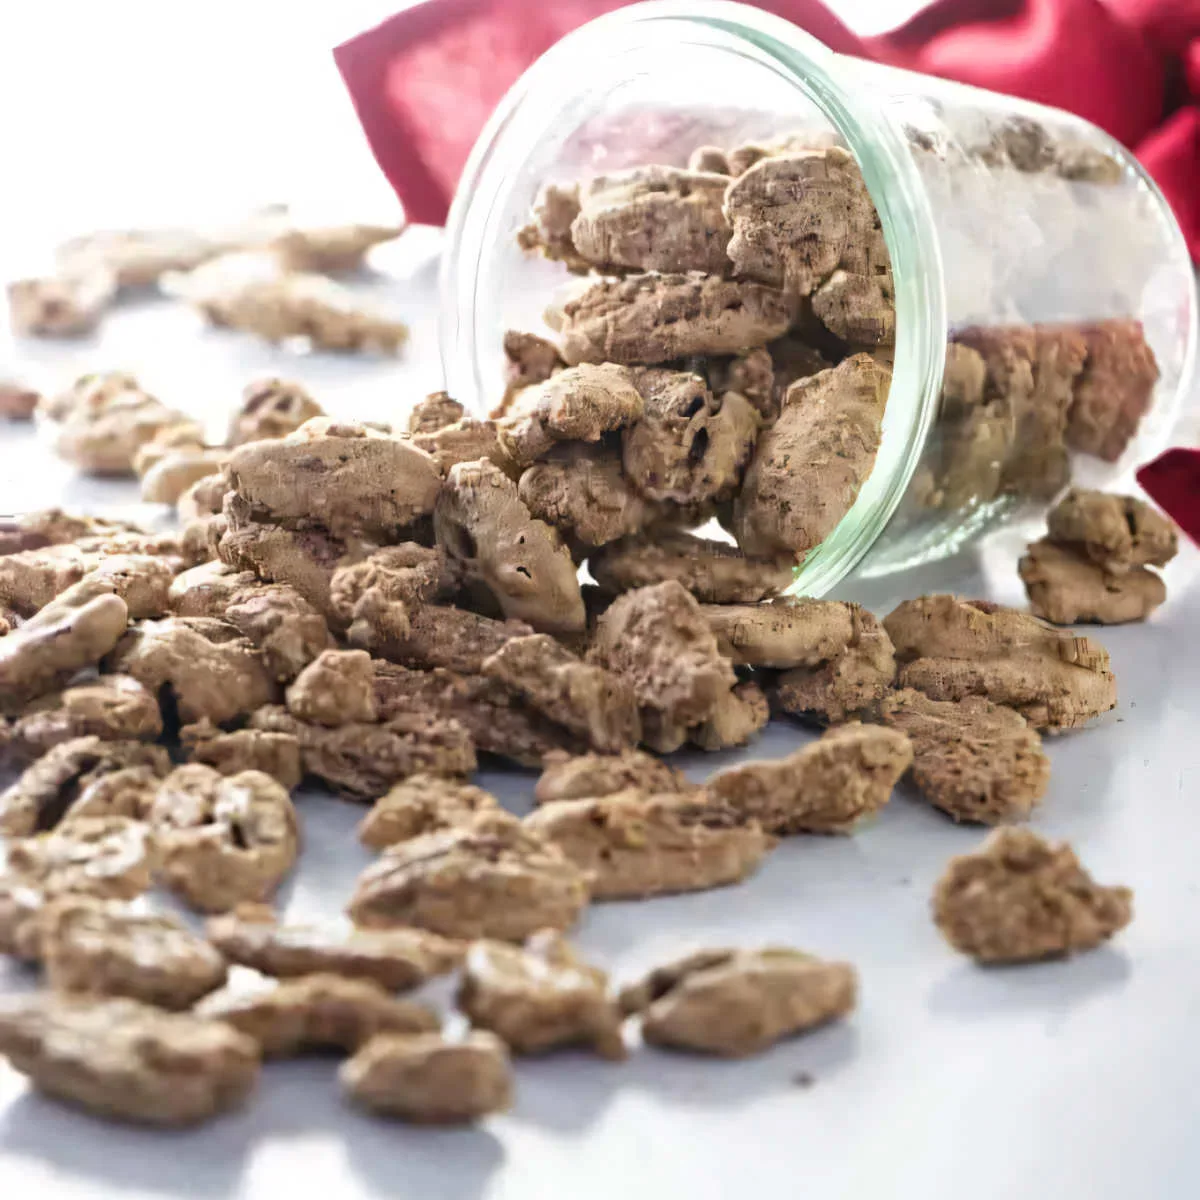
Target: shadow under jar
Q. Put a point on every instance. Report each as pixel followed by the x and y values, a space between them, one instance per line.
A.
pixel 1044 301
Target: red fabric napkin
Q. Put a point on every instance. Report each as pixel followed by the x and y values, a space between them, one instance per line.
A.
pixel 425 80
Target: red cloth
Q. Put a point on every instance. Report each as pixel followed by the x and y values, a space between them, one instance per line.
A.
pixel 425 80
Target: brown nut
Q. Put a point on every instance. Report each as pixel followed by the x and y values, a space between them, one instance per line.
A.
pixel 466 440
pixel 94 856
pixel 422 804
pixel 1117 533
pixel 59 306
pixel 490 879
pixel 634 845
pixel 590 776
pixel 396 959
pixel 318 1013
pixel 586 699
pixel 653 219
pixel 860 309
pixel 950 648
pixel 288 631
pixel 48 790
pixel 488 536
pixel 1065 588
pixel 21 905
pixel 73 631
pixel 579 404
pixel 17 403
pixel 737 717
pixel 207 668
pixel 363 761
pixel 657 640
pixel 375 598
pixel 657 318
pixel 739 1002
pixel 167 480
pixel 809 466
pixel 428 1080
pixel 972 759
pixel 689 447
pixel 271 408
pixel 435 412
pixel 223 839
pixel 101 948
pixel 121 1059
pixel 1019 898
pixel 272 753
pixel 330 249
pixel 336 688
pixel 540 997
pixel 347 478
pixel 712 571
pixel 828 786
pixel 113 708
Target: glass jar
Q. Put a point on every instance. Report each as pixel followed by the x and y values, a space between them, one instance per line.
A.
pixel 1038 273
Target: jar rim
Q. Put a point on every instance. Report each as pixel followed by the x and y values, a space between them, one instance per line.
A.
pixel 889 171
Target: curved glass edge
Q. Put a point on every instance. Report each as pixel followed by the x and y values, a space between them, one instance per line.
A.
pixel 891 177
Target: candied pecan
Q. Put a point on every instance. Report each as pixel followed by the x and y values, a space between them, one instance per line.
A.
pixel 489 879
pixel 950 648
pixel 166 481
pixel 797 217
pixel 364 760
pixel 739 1002
pixel 141 580
pixel 223 839
pixel 529 359
pixel 21 905
pixel 105 441
pixel 347 478
pixel 180 435
pixel 1064 587
pixel 488 536
pixel 95 856
pixel 126 1060
pixel 787 633
pixel 422 804
pixel 849 683
pixel 454 638
pixel 425 1079
pixel 636 845
pixel 288 631
pixel 653 218
pixel 73 631
pixel 590 776
pixel 1019 898
pixel 656 318
pixel 1114 390
pixel 712 571
pixel 51 527
pixel 316 1013
pixel 48 790
pixel 271 408
pixel 709 158
pixel 125 792
pixel 809 466
pixel 585 494
pixel 973 759
pixel 737 717
pixel 688 447
pixel 579 404
pixel 205 666
pixel 112 708
pixel 467 440
pixel 17 403
pixel 584 698
pixel 68 305
pixel 102 948
pixel 373 598
pixel 751 374
pixel 30 579
pixel 828 786
pixel 540 996
pixel 336 688
pixel 254 293
pixel 396 959
pixel 435 412
pixel 860 309
pixel 657 640
pixel 1117 533
pixel 549 232
pixel 272 753
pixel 330 249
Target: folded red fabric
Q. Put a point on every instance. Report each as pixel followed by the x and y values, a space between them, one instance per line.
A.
pixel 425 80
pixel 1173 482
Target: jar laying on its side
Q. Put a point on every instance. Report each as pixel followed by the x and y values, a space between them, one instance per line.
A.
pixel 769 242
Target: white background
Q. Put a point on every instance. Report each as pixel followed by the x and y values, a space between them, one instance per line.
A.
pixel 1073 1080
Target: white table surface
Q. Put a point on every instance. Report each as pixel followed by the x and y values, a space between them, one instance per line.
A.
pixel 1073 1079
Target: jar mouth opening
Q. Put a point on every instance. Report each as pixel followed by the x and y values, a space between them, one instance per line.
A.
pixel 480 218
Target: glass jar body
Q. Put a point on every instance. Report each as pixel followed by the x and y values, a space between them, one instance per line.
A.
pixel 1044 299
